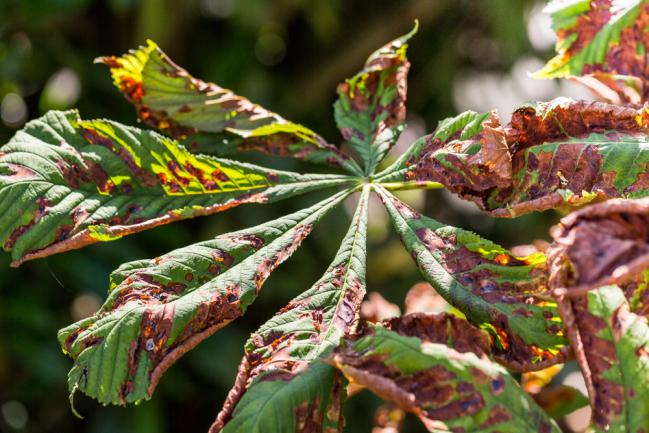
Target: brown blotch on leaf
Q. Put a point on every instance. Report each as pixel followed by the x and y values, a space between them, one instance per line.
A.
pixel 308 417
pixel 388 418
pixel 489 168
pixel 606 243
pixel 533 180
pixel 442 328
pixel 268 265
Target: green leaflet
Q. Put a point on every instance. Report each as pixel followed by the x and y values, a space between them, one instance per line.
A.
pixel 615 343
pixel 446 389
pixel 159 309
pixel 497 291
pixel 562 153
pixel 462 127
pixel 169 99
pixel 467 152
pixel 597 37
pixel 288 385
pixel 66 183
pixel 370 111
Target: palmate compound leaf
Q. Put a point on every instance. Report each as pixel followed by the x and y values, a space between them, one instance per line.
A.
pixel 371 107
pixel 497 291
pixel 159 309
pixel 449 389
pixel 558 154
pixel 283 385
pixel 212 119
pixel 604 45
pixel 66 183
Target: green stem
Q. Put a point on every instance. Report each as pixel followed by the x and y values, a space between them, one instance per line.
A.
pixel 400 186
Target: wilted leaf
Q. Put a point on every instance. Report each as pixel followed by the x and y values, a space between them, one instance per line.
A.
pixel 596 247
pixel 159 309
pixel 282 385
pixel 447 389
pixel 371 106
pixel 563 153
pixel 499 292
pixel 612 346
pixel 66 183
pixel 168 98
pixel 604 45
pixel 602 244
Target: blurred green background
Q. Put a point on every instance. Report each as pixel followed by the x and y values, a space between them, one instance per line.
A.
pixel 287 55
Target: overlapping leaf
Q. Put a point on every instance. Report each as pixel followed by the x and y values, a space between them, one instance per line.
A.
pixel 602 244
pixel 370 110
pixel 170 99
pixel 612 345
pixel 448 389
pixel 159 309
pixel 604 44
pixel 283 386
pixel 66 183
pixel 461 127
pixel 472 143
pixel 600 255
pixel 555 154
pixel 503 294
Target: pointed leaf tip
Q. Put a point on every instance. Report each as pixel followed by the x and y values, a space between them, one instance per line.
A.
pixel 287 384
pixel 370 111
pixel 66 183
pixel 161 308
pixel 210 118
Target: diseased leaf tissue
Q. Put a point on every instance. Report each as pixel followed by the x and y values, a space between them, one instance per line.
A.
pixel 66 182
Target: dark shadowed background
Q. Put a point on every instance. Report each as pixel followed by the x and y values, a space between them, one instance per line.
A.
pixel 287 55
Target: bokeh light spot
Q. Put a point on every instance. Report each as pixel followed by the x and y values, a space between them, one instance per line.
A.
pixel 13 110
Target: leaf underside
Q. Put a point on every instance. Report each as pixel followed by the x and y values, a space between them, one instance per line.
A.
pixel 210 118
pixel 66 183
pixel 158 309
pixel 603 244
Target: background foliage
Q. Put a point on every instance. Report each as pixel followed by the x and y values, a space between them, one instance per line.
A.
pixel 287 55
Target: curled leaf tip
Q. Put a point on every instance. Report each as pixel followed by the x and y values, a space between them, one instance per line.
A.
pixel 73 391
